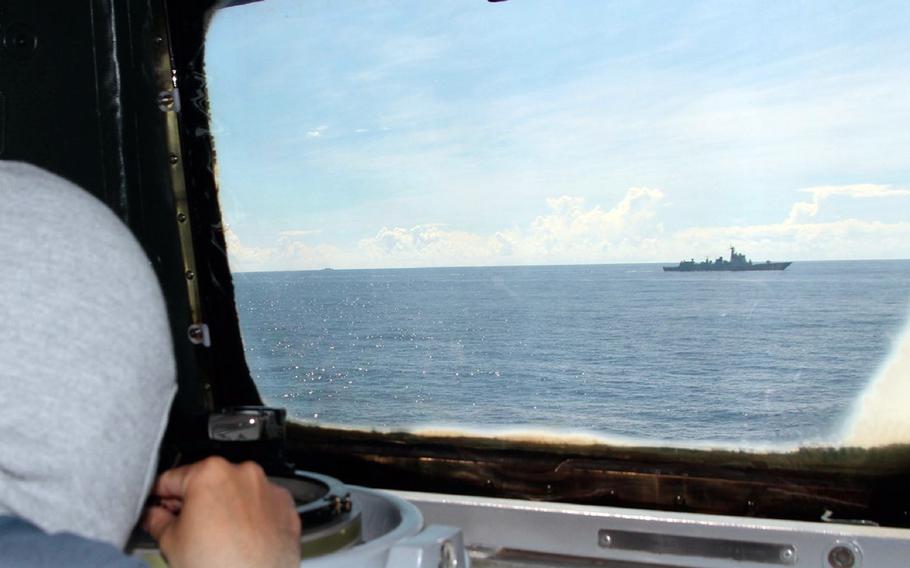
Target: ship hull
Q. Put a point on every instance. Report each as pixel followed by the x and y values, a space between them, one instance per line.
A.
pixel 714 268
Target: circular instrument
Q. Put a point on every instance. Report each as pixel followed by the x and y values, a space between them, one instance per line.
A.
pixel 330 519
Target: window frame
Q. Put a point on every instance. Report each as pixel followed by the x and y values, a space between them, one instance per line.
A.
pixel 845 484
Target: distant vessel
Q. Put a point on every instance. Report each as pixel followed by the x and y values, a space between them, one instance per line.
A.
pixel 737 262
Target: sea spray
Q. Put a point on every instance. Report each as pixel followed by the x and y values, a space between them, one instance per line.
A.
pixel 882 415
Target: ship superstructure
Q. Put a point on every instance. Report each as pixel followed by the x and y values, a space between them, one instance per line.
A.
pixel 737 262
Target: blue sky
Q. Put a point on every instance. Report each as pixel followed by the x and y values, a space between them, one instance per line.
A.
pixel 459 132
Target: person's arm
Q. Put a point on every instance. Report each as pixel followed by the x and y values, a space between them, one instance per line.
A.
pixel 215 513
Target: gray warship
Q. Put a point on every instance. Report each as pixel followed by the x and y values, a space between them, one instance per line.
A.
pixel 736 263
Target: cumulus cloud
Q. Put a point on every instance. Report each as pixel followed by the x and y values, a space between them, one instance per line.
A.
pixel 804 210
pixel 288 253
pixel 429 245
pixel 847 238
pixel 572 231
pixel 243 257
pixel 800 236
pixel 298 233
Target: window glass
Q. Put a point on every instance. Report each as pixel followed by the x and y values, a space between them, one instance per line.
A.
pixel 455 215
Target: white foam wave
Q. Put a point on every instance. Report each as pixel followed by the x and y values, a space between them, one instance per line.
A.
pixel 562 437
pixel 882 414
pixel 566 437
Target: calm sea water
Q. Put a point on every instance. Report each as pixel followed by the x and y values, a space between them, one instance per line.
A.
pixel 624 351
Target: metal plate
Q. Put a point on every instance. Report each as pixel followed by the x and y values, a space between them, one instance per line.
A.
pixel 701 546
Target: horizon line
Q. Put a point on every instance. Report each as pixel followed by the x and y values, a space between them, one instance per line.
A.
pixel 556 265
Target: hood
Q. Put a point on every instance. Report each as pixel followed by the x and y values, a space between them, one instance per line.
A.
pixel 86 362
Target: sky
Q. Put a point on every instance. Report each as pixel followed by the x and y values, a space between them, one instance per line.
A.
pixel 465 133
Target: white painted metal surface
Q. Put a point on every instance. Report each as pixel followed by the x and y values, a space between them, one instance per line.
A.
pixel 577 531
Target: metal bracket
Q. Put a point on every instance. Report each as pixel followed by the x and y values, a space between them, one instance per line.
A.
pixel 168 101
pixel 705 547
pixel 437 546
pixel 828 517
pixel 247 423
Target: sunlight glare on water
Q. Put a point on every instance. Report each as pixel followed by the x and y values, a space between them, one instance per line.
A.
pixel 607 353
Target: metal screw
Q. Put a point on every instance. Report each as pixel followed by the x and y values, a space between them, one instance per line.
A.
pixel 158 40
pixel 172 159
pixel 20 41
pixel 788 554
pixel 198 334
pixel 679 501
pixel 448 558
pixel 604 540
pixel 190 274
pixel 334 502
pixel 166 100
pixel 181 217
pixel 841 557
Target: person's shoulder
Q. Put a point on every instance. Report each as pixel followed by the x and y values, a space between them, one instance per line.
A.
pixel 23 545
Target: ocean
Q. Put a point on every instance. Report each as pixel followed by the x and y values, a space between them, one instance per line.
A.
pixel 622 352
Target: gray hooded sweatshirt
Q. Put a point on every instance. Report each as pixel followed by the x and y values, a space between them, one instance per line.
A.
pixel 86 363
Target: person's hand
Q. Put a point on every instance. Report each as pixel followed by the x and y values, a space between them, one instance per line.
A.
pixel 215 513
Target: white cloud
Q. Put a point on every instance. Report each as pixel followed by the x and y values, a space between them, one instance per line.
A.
pixel 571 231
pixel 316 132
pixel 243 257
pixel 299 233
pixel 287 254
pixel 807 209
pixel 798 237
pixel 848 238
pixel 428 245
